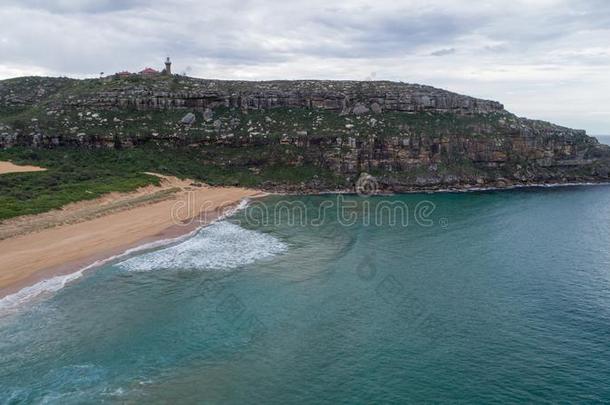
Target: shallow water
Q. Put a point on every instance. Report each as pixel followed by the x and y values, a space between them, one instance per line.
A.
pixel 490 296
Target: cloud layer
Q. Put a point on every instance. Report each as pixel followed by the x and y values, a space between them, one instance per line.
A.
pixel 546 59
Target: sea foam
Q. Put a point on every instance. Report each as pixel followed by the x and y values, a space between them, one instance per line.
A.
pixel 45 286
pixel 49 286
pixel 220 246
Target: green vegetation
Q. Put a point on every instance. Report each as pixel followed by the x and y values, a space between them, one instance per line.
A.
pixel 71 177
pixel 274 123
pixel 75 175
pixel 233 148
pixel 33 193
pixel 82 125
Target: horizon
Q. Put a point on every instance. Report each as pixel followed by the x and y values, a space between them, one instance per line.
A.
pixel 530 58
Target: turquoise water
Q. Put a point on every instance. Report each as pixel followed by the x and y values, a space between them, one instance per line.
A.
pixel 481 297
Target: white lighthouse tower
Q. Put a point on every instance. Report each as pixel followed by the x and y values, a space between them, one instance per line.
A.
pixel 168 67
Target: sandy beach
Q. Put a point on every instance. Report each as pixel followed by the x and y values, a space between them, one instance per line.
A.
pixel 35 248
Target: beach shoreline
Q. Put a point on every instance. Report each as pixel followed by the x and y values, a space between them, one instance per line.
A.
pixel 149 224
pixel 60 250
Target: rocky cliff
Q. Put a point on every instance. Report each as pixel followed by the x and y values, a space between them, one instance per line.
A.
pixel 408 136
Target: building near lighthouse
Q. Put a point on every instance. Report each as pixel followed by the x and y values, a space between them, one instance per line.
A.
pixel 150 72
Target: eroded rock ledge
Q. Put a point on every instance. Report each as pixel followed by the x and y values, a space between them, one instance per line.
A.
pixel 408 135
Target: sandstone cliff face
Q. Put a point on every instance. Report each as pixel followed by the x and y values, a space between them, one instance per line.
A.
pixel 409 136
pixel 199 94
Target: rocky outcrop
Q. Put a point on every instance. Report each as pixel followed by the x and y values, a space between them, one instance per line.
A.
pixel 408 136
pixel 199 94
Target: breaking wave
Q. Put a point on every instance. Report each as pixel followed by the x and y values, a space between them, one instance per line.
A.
pixel 47 287
pixel 222 245
pixel 51 285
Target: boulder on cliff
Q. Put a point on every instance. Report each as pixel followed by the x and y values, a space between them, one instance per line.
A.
pixel 188 119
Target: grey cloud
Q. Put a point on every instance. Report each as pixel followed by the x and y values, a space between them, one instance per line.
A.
pixel 506 47
pixel 80 6
pixel 527 28
pixel 443 52
pixel 400 32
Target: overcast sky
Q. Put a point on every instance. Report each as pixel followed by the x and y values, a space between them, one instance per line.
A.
pixel 545 59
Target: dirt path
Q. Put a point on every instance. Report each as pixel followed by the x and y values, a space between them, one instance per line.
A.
pixel 8 167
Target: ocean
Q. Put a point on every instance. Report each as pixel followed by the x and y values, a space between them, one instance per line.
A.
pixel 495 296
pixel 605 139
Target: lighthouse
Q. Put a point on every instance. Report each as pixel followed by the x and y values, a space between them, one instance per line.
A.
pixel 168 67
